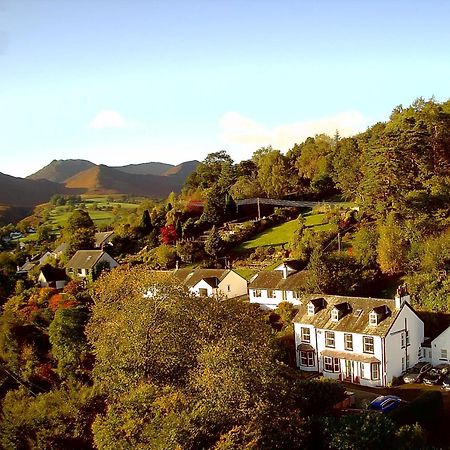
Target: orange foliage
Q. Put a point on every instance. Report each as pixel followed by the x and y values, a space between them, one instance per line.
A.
pixel 59 301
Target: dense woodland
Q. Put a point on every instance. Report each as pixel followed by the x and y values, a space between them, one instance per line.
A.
pixel 100 366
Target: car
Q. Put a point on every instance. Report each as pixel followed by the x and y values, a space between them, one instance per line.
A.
pixel 446 383
pixel 416 373
pixel 433 376
pixel 384 403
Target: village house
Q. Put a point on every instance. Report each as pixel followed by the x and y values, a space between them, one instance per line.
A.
pixel 436 347
pixel 366 341
pixel 103 239
pixel 50 276
pixel 283 284
pixel 212 282
pixel 84 263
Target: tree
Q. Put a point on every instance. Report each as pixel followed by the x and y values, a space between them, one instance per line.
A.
pixel 365 245
pixel 165 256
pixel 214 244
pixel 168 234
pixel 272 172
pixel 66 334
pixel 145 225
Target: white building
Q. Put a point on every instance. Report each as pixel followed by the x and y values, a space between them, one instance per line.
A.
pixel 210 282
pixel 283 284
pixel 360 340
pixel 83 264
pixel 437 350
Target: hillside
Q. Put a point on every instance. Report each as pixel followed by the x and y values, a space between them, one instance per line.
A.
pixel 106 180
pixel 61 170
pixel 150 168
pixel 183 170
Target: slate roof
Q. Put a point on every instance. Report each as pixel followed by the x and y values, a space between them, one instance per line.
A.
pixel 102 237
pixel 51 273
pixel 191 277
pixel 274 280
pixel 84 259
pixel 356 321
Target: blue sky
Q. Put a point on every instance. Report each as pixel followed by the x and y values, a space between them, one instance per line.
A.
pixel 129 81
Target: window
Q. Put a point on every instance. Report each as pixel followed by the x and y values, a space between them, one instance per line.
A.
pixel 228 288
pixel 362 370
pixel 79 271
pixel 270 293
pixel 305 334
pixel 203 292
pixel 407 361
pixel 334 315
pixel 403 364
pixel 368 344
pixel 310 309
pixel 403 339
pixel 373 318
pixel 331 364
pixel 284 295
pixel 329 339
pixel 257 293
pixel 375 371
pixel 407 337
pixel 307 358
pixel 296 294
pixel 443 353
pixel 348 342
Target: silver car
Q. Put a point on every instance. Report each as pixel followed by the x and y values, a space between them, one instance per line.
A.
pixel 416 373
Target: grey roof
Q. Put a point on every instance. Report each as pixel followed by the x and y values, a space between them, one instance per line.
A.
pixel 274 280
pixel 356 321
pixel 85 259
pixel 51 273
pixel 102 237
pixel 61 248
pixel 190 277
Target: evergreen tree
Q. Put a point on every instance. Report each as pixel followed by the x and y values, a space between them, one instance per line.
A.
pixel 214 244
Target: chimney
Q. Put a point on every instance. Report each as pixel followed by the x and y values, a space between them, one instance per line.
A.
pixel 401 296
pixel 285 271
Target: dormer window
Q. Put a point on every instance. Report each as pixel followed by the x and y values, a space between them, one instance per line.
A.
pixel 334 315
pixel 373 318
pixel 311 309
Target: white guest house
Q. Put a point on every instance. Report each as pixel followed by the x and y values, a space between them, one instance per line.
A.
pixel 211 282
pixel 366 341
pixel 283 284
pixel 437 350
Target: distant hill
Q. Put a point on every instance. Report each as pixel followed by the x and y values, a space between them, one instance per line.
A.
pixel 23 192
pixel 183 170
pixel 107 180
pixel 150 168
pixel 61 170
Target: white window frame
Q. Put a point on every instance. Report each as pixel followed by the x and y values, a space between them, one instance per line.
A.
pixel 368 344
pixel 306 359
pixel 407 337
pixel 296 294
pixel 373 319
pixel 334 315
pixel 330 337
pixel 403 339
pixel 362 370
pixel 375 371
pixel 348 338
pixel 311 309
pixel 407 361
pixel 271 293
pixel 305 334
pixel 257 293
pixel 444 354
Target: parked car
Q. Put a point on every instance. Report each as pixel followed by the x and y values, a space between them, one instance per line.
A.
pixel 433 376
pixel 416 373
pixel 384 403
pixel 446 383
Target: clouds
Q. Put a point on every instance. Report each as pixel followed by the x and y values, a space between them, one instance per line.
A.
pixel 237 129
pixel 109 118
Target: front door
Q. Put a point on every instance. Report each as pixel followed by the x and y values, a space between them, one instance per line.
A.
pixel 349 370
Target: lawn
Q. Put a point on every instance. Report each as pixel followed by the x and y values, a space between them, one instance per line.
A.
pixel 281 234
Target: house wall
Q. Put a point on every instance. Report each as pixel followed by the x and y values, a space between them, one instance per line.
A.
pixel 233 285
pixel 267 302
pixel 442 342
pixel 399 358
pixel 111 261
pixel 202 284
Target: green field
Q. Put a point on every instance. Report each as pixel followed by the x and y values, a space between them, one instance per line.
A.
pixel 60 214
pixel 281 234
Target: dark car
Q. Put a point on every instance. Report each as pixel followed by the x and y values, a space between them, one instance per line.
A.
pixel 433 376
pixel 416 373
pixel 384 403
pixel 446 383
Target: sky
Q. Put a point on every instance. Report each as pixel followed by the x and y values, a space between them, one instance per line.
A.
pixel 130 81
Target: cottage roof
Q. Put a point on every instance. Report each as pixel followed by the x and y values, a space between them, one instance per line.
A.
pixel 51 273
pixel 85 259
pixel 274 280
pixel 191 277
pixel 356 322
pixel 61 248
pixel 102 237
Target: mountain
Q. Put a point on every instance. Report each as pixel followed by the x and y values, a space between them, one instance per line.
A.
pixel 23 192
pixel 150 168
pixel 183 170
pixel 61 170
pixel 107 180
